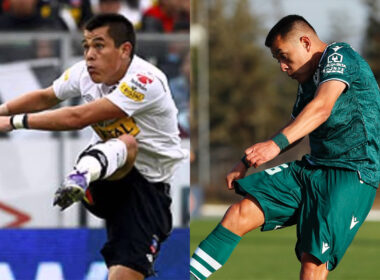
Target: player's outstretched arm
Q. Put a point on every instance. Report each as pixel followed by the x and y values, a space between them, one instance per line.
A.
pixel 311 117
pixel 33 101
pixel 316 112
pixel 292 145
pixel 67 118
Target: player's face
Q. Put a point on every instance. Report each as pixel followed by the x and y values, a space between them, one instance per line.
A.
pixel 105 62
pixel 294 57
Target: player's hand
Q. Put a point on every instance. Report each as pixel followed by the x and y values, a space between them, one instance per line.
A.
pixel 5 125
pixel 236 173
pixel 261 153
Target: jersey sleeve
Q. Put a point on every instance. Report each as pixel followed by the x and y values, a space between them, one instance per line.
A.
pixel 139 92
pixel 340 64
pixel 68 84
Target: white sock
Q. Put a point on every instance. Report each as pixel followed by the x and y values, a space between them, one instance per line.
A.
pixel 90 166
pixel 115 153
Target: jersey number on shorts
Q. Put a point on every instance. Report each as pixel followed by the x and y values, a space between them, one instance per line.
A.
pixel 114 129
pixel 276 169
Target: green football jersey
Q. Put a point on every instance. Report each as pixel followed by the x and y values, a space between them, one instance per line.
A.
pixel 350 138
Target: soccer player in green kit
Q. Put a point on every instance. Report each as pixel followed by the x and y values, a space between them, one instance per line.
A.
pixel 329 193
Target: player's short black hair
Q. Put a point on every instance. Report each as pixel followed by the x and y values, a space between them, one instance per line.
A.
pixel 284 26
pixel 120 29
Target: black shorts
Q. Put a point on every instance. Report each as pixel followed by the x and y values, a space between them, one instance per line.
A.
pixel 138 219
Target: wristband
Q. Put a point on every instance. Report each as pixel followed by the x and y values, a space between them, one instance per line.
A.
pixel 244 161
pixel 281 141
pixel 19 121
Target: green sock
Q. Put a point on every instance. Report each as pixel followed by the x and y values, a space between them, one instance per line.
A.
pixel 213 252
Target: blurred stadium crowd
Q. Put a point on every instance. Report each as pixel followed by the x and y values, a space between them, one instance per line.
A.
pixel 159 18
pixel 147 15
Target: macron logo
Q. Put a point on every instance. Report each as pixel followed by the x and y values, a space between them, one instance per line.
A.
pixel 325 247
pixel 354 221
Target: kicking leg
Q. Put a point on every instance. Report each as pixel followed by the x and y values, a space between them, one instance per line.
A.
pixel 113 158
pixel 312 268
pixel 105 159
pixel 131 144
pixel 214 251
pixel 244 216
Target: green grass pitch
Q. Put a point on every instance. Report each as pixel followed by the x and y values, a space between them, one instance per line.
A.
pixel 270 255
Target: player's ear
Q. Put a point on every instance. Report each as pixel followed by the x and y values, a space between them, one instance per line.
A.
pixel 126 49
pixel 306 42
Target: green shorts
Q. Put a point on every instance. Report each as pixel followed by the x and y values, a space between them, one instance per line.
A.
pixel 327 204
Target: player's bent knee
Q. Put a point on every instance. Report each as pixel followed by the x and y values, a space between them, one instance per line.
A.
pixel 132 148
pixel 130 142
pixel 243 216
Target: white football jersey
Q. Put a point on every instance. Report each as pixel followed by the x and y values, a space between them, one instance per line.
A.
pixel 151 116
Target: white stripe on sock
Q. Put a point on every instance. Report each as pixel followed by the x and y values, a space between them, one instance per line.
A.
pixel 200 268
pixel 207 258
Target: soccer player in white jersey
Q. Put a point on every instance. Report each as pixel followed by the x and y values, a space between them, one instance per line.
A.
pixel 123 175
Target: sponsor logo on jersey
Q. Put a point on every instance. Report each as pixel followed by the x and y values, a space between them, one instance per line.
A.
pixel 334 64
pixel 144 79
pixel 334 68
pixel 115 128
pixel 325 247
pixel 137 84
pixel 66 75
pixel 334 58
pixel 131 93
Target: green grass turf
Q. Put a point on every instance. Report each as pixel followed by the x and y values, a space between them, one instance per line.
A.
pixel 270 255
